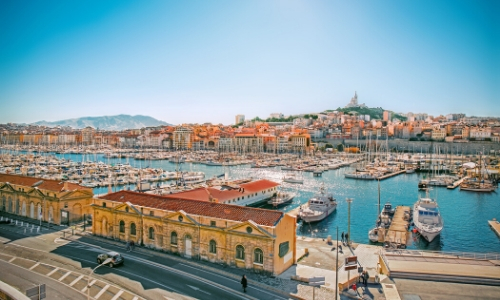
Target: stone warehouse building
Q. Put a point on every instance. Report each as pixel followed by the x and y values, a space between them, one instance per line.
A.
pixel 51 201
pixel 250 238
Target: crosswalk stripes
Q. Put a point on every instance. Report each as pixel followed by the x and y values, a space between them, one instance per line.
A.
pixel 64 276
pixel 101 292
pixel 76 280
pixel 34 266
pixel 53 271
pixel 117 295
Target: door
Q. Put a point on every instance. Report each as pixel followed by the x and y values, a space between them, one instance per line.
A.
pixel 188 247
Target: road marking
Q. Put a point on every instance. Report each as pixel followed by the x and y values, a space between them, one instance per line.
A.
pixel 90 285
pixel 64 276
pixel 117 295
pixel 12 259
pixel 34 266
pixel 76 280
pixel 53 271
pixel 198 289
pixel 36 237
pixel 101 292
pixel 60 241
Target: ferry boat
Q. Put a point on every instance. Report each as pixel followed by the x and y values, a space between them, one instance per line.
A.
pixel 318 207
pixel 427 219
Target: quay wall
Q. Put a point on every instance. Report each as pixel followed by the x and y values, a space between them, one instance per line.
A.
pixel 424 146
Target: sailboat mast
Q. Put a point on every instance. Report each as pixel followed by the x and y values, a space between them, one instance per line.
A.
pixel 379 197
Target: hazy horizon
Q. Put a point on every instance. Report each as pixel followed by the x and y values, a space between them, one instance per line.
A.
pixel 199 61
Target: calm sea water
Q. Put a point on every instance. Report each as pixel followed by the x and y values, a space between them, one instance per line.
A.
pixel 465 214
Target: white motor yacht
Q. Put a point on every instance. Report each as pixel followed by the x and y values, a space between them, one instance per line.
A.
pixel 318 207
pixel 426 218
pixel 281 198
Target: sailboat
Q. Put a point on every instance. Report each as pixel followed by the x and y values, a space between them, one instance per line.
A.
pixel 479 184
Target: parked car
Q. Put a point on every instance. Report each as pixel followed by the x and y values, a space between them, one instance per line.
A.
pixel 116 258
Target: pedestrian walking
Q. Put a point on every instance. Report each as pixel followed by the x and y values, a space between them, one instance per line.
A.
pixel 244 283
pixel 347 238
pixel 132 245
pixel 342 236
pixel 127 246
pixel 365 277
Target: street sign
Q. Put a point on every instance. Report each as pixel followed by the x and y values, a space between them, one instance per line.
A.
pixel 37 292
pixel 317 283
pixel 351 260
pixel 350 267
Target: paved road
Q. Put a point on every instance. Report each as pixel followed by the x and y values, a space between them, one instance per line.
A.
pixel 146 275
pixel 23 279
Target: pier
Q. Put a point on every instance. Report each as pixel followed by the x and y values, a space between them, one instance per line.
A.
pixel 390 174
pixel 398 233
pixel 495 225
pixel 457 183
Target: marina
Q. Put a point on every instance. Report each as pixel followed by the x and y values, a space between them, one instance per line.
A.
pixel 401 190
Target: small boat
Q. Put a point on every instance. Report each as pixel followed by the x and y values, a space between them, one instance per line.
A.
pixel 293 179
pixel 410 170
pixel 281 198
pixel 318 207
pixel 383 223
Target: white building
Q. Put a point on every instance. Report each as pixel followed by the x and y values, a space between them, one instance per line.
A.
pixel 239 119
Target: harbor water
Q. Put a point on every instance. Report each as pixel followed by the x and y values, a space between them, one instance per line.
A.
pixel 465 214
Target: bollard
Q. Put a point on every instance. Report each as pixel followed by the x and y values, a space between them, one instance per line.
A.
pixel 27 225
pixel 31 230
pixel 1 218
pixel 38 229
pixel 24 230
pixel 22 224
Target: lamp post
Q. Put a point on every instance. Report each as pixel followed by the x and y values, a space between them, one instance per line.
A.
pixel 349 201
pixel 88 279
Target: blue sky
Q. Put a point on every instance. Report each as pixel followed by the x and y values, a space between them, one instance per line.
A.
pixel 207 61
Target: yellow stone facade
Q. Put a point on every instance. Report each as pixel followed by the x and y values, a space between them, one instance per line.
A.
pixel 245 244
pixel 56 206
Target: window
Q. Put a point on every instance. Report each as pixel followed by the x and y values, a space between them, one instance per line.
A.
pixel 104 204
pixel 249 229
pixel 240 252
pixel 284 247
pixel 132 228
pixel 122 226
pixel 212 247
pixel 180 218
pixel 151 213
pixel 65 204
pixel 173 238
pixel 212 223
pixel 151 233
pixel 126 209
pixel 258 256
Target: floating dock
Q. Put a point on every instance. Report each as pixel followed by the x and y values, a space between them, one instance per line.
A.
pixel 495 225
pixel 390 174
pixel 398 233
pixel 457 183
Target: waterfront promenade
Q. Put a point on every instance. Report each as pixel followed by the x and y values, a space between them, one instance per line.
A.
pixel 426 272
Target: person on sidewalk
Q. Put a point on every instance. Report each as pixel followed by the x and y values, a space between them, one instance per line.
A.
pixel 244 283
pixel 365 277
pixel 347 238
pixel 342 237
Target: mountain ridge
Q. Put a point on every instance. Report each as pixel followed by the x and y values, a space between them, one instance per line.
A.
pixel 117 122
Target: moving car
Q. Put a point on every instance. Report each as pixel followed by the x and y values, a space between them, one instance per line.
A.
pixel 116 258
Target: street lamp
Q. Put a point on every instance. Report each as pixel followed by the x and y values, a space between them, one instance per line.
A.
pixel 349 201
pixel 108 260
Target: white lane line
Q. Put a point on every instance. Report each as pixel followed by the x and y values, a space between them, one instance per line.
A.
pixel 34 266
pixel 76 280
pixel 117 295
pixel 101 292
pixel 12 259
pixel 53 271
pixel 64 276
pixel 90 284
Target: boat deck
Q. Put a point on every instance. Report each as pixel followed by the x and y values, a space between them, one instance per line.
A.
pixel 398 230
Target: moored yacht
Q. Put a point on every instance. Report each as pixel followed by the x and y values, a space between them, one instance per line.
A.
pixel 281 198
pixel 318 207
pixel 427 219
pixel 384 220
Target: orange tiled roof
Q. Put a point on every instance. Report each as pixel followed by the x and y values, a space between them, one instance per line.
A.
pixel 225 195
pixel 209 209
pixel 50 185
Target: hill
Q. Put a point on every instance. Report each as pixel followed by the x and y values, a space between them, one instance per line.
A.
pixel 374 112
pixel 119 122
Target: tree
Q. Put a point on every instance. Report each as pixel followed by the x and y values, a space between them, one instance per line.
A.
pixel 340 147
pixel 328 145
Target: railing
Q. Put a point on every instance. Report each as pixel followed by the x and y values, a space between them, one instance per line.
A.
pixel 446 254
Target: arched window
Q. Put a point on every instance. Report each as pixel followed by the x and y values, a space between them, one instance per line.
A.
pixel 122 226
pixel 258 256
pixel 240 252
pixel 151 233
pixel 132 228
pixel 212 247
pixel 173 238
